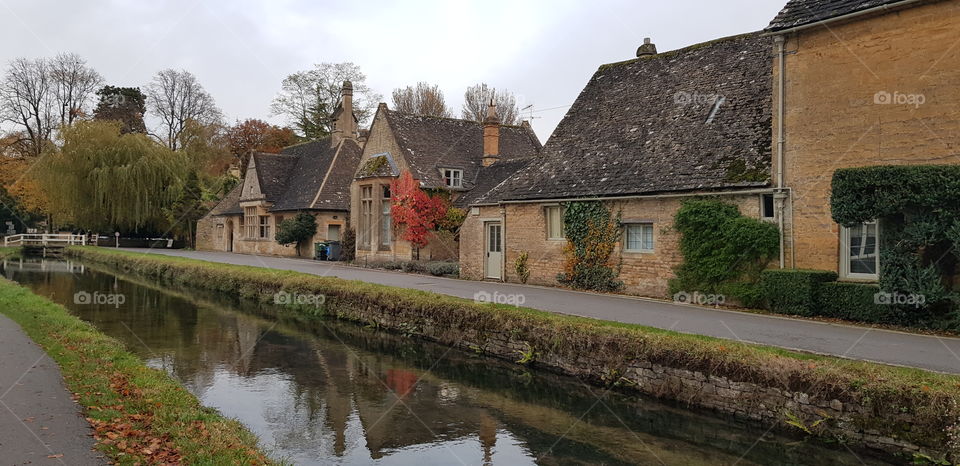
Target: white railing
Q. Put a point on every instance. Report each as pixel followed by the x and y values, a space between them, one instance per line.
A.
pixel 45 239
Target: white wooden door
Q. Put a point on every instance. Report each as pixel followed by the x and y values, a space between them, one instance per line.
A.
pixel 494 250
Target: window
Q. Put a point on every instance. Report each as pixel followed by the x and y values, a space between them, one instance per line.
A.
pixel 264 226
pixel 366 215
pixel 453 178
pixel 767 210
pixel 250 220
pixel 860 254
pixel 386 221
pixel 219 232
pixel 639 237
pixel 554 215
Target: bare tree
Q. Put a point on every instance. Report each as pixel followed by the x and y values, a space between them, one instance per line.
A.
pixel 477 99
pixel 74 83
pixel 423 99
pixel 177 99
pixel 309 98
pixel 27 102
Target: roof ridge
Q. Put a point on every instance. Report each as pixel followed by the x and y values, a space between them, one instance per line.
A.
pixel 303 143
pixel 434 117
pixel 675 52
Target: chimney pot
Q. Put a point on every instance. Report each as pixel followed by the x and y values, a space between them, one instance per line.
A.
pixel 648 48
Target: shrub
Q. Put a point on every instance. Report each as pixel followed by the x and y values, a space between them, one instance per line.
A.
pixel 723 251
pixel 854 301
pixel 348 245
pixel 791 291
pixel 592 235
pixel 413 267
pixel 523 273
pixel 442 269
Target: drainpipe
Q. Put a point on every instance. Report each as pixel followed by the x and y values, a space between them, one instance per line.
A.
pixel 503 244
pixel 780 196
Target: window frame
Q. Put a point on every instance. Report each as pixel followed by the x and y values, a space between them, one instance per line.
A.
pixel 366 216
pixel 547 217
pixel 763 207
pixel 264 227
pixel 250 222
pixel 626 237
pixel 386 217
pixel 449 178
pixel 846 257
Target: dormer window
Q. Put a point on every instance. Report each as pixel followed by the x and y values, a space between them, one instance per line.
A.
pixel 453 178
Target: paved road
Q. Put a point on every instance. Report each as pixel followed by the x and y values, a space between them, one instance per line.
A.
pixel 39 423
pixel 885 346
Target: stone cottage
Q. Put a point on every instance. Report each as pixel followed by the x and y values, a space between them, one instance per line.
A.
pixel 864 83
pixel 643 135
pixel 313 177
pixel 464 158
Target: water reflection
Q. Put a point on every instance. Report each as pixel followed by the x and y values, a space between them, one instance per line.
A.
pixel 326 392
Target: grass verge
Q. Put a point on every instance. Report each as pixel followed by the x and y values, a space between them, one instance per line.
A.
pixel 916 406
pixel 140 415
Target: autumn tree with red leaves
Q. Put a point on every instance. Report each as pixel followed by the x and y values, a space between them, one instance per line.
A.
pixel 415 213
pixel 257 136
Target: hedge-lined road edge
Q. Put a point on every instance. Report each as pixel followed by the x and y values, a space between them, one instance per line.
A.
pixel 140 415
pixel 895 409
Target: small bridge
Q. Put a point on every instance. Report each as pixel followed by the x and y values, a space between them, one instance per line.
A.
pixel 46 244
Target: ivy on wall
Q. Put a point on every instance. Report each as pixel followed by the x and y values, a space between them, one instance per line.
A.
pixel 723 251
pixel 918 212
pixel 592 234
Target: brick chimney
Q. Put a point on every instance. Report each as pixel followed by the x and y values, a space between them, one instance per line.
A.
pixel 491 136
pixel 647 48
pixel 345 126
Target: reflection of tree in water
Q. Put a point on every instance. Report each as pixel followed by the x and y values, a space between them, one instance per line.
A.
pixel 344 387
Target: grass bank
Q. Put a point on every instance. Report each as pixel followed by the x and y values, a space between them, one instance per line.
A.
pixel 140 415
pixel 914 411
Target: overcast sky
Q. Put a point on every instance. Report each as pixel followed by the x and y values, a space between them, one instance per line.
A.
pixel 544 50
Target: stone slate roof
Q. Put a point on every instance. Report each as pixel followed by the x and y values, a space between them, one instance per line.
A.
pixel 230 204
pixel 273 171
pixel 292 179
pixel 803 12
pixel 312 173
pixel 431 144
pixel 694 119
pixel 489 178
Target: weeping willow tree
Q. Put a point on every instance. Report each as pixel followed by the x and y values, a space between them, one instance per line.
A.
pixel 102 180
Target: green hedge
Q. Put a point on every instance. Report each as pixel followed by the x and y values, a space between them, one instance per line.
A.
pixel 790 291
pixel 855 301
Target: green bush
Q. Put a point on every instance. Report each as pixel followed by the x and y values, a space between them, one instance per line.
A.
pixel 442 269
pixel 592 234
pixel 723 251
pixel 854 301
pixel 792 291
pixel 413 267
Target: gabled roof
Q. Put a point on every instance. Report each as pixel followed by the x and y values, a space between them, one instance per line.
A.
pixel 321 169
pixel 804 12
pixel 308 176
pixel 230 204
pixel 697 118
pixel 430 144
pixel 273 171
